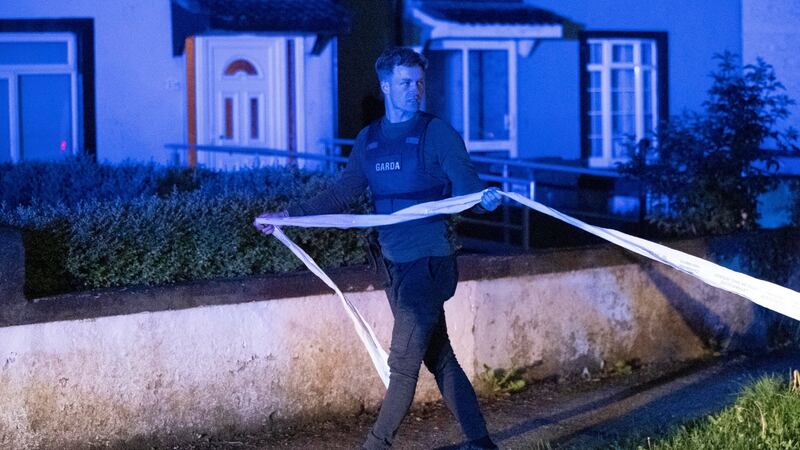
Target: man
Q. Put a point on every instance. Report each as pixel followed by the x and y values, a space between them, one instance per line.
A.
pixel 405 158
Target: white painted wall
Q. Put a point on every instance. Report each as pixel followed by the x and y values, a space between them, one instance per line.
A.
pixel 209 368
pixel 319 99
pixel 141 88
pixel 771 30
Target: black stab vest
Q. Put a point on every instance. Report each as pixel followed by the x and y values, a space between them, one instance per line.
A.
pixel 395 169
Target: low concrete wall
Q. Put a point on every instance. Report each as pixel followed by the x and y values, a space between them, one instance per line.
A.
pixel 111 365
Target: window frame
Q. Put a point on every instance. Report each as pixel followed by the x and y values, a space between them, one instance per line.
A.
pixel 660 94
pixel 13 72
pixel 82 29
pixel 465 46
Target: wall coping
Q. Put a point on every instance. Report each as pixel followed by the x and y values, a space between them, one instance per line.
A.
pixel 137 299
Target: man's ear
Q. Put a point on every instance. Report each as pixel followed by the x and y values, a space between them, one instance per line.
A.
pixel 385 87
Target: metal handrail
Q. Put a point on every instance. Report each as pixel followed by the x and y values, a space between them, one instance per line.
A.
pixel 265 151
pixel 334 158
pixel 340 142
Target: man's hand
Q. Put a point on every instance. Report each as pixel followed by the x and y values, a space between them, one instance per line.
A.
pixel 267 229
pixel 491 199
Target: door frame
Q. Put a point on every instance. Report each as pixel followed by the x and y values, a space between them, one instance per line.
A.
pixel 203 86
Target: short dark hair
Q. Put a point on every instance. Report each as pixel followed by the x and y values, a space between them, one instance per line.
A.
pixel 398 56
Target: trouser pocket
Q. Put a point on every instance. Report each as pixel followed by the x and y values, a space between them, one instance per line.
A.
pixel 443 274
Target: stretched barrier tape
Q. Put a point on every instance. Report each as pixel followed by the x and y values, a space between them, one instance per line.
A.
pixel 376 352
pixel 764 293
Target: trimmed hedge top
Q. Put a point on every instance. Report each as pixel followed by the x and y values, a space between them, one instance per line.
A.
pixel 87 225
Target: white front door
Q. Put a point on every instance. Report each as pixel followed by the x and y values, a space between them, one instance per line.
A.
pixel 246 95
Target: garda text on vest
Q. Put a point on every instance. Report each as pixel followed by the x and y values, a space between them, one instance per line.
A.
pixel 386 166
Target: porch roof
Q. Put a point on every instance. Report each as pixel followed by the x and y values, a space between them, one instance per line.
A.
pixel 191 17
pixel 507 12
pixel 501 19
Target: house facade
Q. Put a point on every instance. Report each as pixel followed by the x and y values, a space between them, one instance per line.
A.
pixel 567 82
pixel 584 80
pixel 120 80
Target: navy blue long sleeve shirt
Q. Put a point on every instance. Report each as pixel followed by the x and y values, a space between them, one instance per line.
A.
pixel 445 158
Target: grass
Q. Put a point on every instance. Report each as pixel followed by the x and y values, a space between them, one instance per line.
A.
pixel 766 415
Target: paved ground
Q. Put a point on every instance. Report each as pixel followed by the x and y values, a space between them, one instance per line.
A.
pixel 566 414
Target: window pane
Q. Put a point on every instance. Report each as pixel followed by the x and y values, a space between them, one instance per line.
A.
pixel 5 123
pixel 596 98
pixel 45 108
pixel 647 53
pixel 594 79
pixel 254 118
pixel 647 75
pixel 622 80
pixel 647 99
pixel 228 118
pixel 623 134
pixel 595 53
pixel 597 124
pixel 622 125
pixel 597 146
pixel 623 100
pixel 622 148
pixel 241 65
pixel 488 95
pixel 33 53
pixel 622 53
pixel 445 87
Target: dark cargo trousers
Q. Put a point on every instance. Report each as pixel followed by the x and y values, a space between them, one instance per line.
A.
pixel 417 291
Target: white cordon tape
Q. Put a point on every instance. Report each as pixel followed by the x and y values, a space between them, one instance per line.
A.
pixel 764 293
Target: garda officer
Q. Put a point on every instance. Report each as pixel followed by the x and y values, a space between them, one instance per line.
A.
pixel 409 157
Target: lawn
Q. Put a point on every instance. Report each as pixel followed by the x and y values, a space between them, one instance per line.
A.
pixel 766 415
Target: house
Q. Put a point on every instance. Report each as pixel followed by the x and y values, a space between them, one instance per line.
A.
pixel 572 83
pixel 581 80
pixel 121 79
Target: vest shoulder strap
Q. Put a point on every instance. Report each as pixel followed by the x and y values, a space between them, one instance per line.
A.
pixel 415 136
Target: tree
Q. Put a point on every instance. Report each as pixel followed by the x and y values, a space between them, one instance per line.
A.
pixel 706 170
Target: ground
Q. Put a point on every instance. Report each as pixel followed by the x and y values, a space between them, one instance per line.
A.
pixel 571 412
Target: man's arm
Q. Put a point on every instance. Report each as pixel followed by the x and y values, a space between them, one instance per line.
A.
pixel 452 155
pixel 347 188
pixel 350 185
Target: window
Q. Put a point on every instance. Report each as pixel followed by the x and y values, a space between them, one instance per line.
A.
pixel 38 96
pixel 241 65
pixel 623 94
pixel 472 84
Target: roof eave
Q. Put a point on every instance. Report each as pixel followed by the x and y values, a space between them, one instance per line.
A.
pixel 443 29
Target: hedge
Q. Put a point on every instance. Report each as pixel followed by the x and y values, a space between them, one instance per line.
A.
pixel 146 225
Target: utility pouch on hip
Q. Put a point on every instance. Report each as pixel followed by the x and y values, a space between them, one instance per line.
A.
pixel 374 255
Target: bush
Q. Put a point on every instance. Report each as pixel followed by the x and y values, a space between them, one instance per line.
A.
pixel 74 180
pixel 174 225
pixel 707 171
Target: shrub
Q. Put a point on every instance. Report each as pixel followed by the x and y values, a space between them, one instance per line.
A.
pixel 707 171
pixel 174 226
pixel 79 179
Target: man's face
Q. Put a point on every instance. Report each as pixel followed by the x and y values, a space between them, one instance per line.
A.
pixel 404 88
